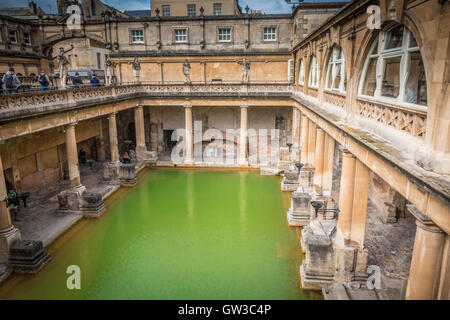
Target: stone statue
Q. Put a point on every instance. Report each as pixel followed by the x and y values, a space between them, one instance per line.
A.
pixel 136 69
pixel 109 71
pixel 245 69
pixel 62 65
pixel 186 71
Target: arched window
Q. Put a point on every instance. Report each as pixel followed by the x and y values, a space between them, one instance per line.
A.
pixel 313 73
pixel 336 79
pixel 394 70
pixel 301 77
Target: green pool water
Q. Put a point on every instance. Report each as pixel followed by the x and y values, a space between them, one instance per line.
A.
pixel 181 234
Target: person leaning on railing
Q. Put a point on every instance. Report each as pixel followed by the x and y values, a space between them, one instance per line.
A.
pixel 11 81
pixel 77 81
pixel 44 81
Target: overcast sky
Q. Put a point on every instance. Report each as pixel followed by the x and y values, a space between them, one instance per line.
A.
pixel 267 6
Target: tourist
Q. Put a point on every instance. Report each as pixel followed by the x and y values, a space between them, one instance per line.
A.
pixel 82 156
pixel 13 203
pixel 94 81
pixel 77 81
pixel 1 86
pixel 11 81
pixel 126 158
pixel 44 81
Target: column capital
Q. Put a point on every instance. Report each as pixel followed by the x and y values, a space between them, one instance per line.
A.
pixel 422 221
pixel 319 129
pixel 112 114
pixel 139 106
pixel 346 152
pixel 244 107
pixel 186 105
pixel 72 124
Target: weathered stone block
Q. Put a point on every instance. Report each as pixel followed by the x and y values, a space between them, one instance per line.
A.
pixel 150 157
pixel 290 181
pixel 91 204
pixel 28 256
pixel 351 263
pixel 127 174
pixel 299 212
pixel 111 172
pixel 317 270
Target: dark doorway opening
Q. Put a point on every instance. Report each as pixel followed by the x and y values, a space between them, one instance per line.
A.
pixel 168 143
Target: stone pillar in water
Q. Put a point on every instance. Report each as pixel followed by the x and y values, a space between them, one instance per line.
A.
pixel 127 174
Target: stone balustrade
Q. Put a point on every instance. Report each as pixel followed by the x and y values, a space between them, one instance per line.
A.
pixel 33 100
pixel 409 120
pixel 334 98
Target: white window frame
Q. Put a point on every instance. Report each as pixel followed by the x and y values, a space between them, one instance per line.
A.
pixel 217 11
pixel 290 73
pixel 165 6
pixel 219 35
pixel 333 64
pixel 270 36
pixel 137 38
pixel 314 67
pixel 381 55
pixel 27 36
pixel 301 73
pixel 191 9
pixel 176 38
pixel 15 36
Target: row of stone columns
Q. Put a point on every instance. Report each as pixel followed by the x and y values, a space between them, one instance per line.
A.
pixel 429 276
pixel 243 145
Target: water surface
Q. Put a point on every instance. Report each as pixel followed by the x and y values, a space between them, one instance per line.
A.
pixel 180 234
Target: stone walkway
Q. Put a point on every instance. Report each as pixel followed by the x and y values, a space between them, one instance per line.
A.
pixel 40 220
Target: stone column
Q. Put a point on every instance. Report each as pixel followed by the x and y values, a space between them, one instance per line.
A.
pixel 328 160
pixel 8 233
pixel 243 160
pixel 295 127
pixel 304 139
pixel 189 135
pixel 359 208
pixel 318 160
pixel 311 143
pixel 113 138
pixel 72 155
pixel 140 133
pixel 346 198
pixel 101 142
pixel 423 283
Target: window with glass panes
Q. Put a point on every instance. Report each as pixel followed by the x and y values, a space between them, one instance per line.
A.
pixel 301 77
pixel 217 9
pixel 336 79
pixel 27 38
pixel 12 36
pixel 137 36
pixel 270 34
pixel 165 10
pixel 394 69
pixel 191 10
pixel 313 73
pixel 180 35
pixel 224 34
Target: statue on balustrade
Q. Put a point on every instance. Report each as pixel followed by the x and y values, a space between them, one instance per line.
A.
pixel 186 71
pixel 109 71
pixel 245 70
pixel 136 69
pixel 63 65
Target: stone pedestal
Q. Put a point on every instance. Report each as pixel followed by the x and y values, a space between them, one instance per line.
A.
pixel 69 200
pixel 28 256
pixel 290 181
pixel 306 179
pixel 295 154
pixel 317 270
pixel 299 213
pixel 91 204
pixel 111 173
pixel 7 238
pixel 150 157
pixel 351 263
pixel 127 174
